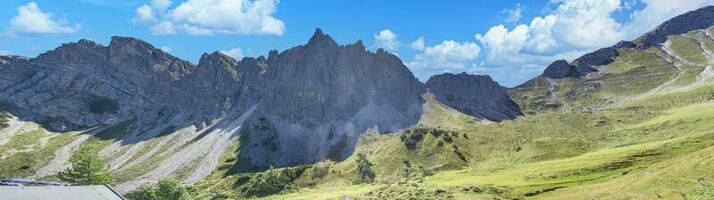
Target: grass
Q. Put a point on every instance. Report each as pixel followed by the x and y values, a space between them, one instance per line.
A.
pixel 560 154
pixel 653 146
pixel 23 164
pixel 632 73
pixel 587 155
pixel 125 174
pixel 688 49
pixel 23 140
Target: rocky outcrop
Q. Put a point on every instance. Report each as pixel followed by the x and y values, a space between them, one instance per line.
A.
pixel 698 19
pixel 560 69
pixel 85 84
pixel 311 102
pixel 475 95
pixel 306 104
pixel 320 97
pixel 586 64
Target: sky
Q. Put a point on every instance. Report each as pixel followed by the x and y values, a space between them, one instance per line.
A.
pixel 510 40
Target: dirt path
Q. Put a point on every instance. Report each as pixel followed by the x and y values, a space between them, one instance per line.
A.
pixel 208 149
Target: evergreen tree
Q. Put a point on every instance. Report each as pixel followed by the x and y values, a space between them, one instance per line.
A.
pixel 86 168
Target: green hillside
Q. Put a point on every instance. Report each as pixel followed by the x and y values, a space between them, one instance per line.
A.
pixel 646 132
pixel 640 128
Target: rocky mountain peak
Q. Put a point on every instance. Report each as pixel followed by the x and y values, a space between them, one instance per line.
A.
pixel 321 39
pixel 129 42
pixel 475 95
pixel 560 69
pixel 132 47
pixel 330 94
pixel 697 19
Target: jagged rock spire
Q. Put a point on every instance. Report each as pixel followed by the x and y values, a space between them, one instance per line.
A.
pixel 319 38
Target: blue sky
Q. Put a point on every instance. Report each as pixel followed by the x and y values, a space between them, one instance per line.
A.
pixel 511 40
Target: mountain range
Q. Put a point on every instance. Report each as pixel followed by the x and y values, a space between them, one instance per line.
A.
pixel 314 110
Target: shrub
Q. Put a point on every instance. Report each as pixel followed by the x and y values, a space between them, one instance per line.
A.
pixel 269 182
pixel 364 169
pixel 411 139
pixel 167 189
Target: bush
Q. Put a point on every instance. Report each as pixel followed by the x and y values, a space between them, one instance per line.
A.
pixel 269 182
pixel 364 169
pixel 411 139
pixel 167 189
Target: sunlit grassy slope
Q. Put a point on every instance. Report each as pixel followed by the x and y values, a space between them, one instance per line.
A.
pixel 640 150
pixel 640 129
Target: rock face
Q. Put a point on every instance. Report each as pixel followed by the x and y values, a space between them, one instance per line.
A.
pixel 585 64
pixel 306 104
pixel 475 95
pixel 318 99
pixel 560 69
pixel 698 19
pixel 85 84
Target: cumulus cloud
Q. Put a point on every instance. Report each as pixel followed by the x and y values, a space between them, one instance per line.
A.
pixel 418 44
pixel 513 15
pixel 32 20
pixel 571 28
pixel 236 53
pixel 449 56
pixel 387 40
pixel 574 25
pixel 211 17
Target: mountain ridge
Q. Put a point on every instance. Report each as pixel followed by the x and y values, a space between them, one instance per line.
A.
pixel 316 103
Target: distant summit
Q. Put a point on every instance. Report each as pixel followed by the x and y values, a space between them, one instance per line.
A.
pixel 475 95
pixel 698 19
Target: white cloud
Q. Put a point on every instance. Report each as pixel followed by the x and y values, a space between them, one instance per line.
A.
pixel 32 20
pixel 161 4
pixel 570 29
pixel 149 13
pixel 515 14
pixel 166 49
pixel 418 44
pixel 211 17
pixel 387 40
pixel 144 14
pixel 448 56
pixel 658 11
pixel 236 53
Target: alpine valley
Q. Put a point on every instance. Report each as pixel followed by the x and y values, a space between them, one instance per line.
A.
pixel 327 121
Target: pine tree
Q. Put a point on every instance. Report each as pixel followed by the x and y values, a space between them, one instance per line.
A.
pixel 86 168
